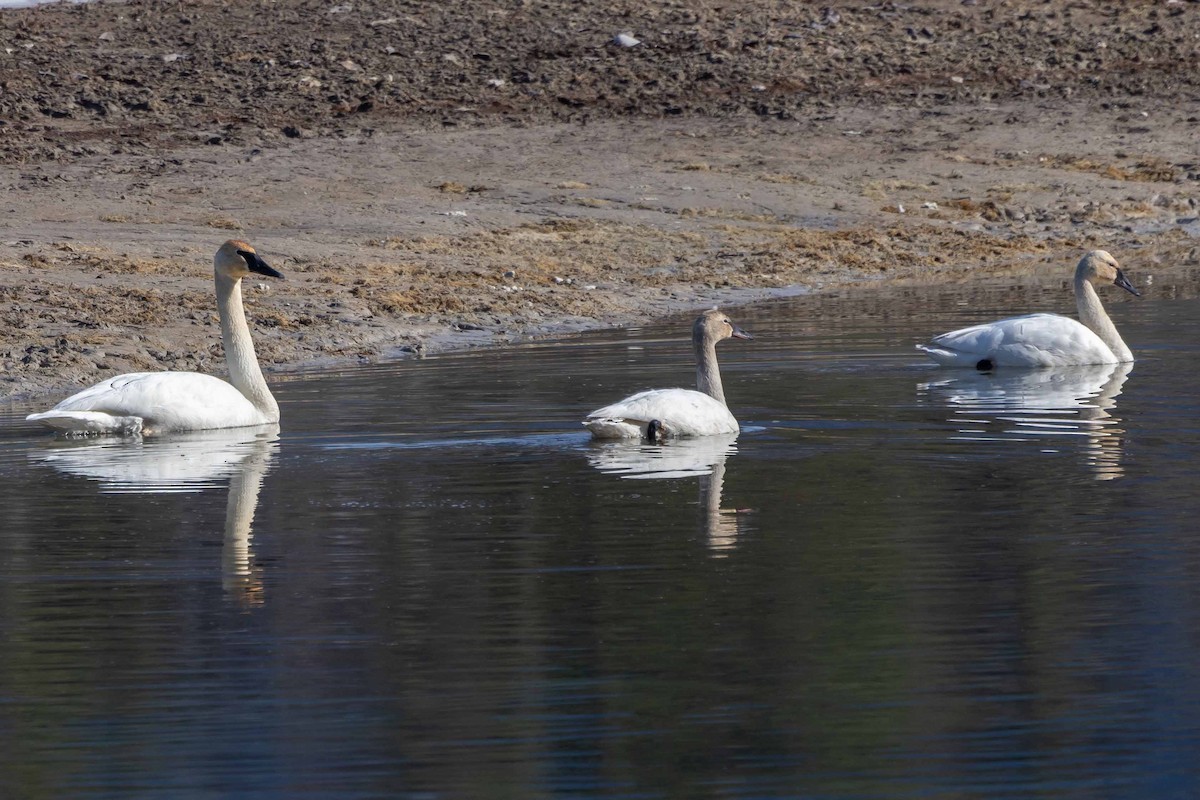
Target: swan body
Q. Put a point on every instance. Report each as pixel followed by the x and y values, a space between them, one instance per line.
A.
pixel 162 402
pixel 1033 340
pixel 669 413
pixel 1045 340
pixel 680 412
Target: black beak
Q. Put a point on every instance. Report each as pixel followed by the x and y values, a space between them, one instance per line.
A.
pixel 738 333
pixel 256 264
pixel 1124 283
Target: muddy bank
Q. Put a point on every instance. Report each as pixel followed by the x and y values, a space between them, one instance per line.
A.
pixel 415 225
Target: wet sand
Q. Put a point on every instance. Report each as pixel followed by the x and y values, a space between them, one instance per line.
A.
pixel 415 204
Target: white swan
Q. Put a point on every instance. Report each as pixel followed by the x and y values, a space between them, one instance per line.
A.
pixel 159 402
pixel 1045 340
pixel 663 413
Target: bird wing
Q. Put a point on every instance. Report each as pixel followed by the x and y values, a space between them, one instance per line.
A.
pixel 1030 340
pixel 682 412
pixel 167 400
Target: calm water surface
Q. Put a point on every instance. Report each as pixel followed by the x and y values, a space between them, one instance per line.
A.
pixel 897 582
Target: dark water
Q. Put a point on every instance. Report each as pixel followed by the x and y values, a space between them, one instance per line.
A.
pixel 897 582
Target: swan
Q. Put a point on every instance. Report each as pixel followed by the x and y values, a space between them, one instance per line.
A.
pixel 1045 340
pixel 663 413
pixel 158 402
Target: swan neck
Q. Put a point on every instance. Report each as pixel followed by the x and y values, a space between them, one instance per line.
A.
pixel 240 358
pixel 708 375
pixel 1093 315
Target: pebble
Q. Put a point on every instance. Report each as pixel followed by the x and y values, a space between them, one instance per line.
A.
pixel 626 40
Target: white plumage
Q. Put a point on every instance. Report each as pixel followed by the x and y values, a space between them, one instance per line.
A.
pixel 677 412
pixel 681 412
pixel 1044 340
pixel 160 402
pixel 1034 340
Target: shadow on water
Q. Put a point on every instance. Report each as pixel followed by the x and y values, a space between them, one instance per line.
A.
pixel 1047 406
pixel 702 459
pixel 184 462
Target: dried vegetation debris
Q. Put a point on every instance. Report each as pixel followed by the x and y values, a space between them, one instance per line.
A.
pixel 82 326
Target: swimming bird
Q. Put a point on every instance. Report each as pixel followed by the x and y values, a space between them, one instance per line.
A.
pixel 663 413
pixel 1045 340
pixel 158 402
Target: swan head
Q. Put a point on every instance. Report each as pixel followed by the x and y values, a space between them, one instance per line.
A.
pixel 237 259
pixel 714 326
pixel 1100 267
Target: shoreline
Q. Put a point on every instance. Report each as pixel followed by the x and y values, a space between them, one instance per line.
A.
pixel 526 238
pixel 455 179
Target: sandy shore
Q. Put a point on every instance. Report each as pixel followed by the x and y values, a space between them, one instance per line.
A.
pixel 724 159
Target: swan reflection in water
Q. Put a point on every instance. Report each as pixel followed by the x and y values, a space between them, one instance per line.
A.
pixel 702 458
pixel 1036 405
pixel 185 462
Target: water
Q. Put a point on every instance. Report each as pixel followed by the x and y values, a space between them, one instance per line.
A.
pixel 896 582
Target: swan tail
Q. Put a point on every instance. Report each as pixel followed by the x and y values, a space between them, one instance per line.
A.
pixel 949 358
pixel 613 429
pixel 88 423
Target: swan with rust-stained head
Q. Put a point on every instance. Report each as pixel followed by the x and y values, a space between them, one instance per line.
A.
pixel 665 413
pixel 1045 340
pixel 159 402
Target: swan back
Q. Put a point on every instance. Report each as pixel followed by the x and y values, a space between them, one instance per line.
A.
pixel 1033 340
pixel 679 413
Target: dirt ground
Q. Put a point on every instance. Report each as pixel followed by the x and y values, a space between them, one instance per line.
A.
pixel 431 176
